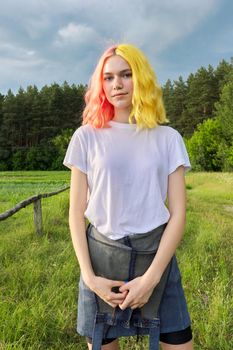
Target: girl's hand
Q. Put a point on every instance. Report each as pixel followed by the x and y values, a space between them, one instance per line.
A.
pixel 105 289
pixel 138 291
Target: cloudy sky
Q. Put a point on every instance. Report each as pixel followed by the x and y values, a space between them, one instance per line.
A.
pixel 46 41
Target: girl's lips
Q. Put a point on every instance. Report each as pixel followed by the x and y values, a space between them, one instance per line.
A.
pixel 121 94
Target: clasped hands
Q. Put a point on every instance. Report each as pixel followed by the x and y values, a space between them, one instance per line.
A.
pixel 133 294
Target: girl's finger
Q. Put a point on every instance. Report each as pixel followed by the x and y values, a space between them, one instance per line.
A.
pixel 116 296
pixel 125 287
pixel 116 283
pixel 116 302
pixel 135 306
pixel 125 304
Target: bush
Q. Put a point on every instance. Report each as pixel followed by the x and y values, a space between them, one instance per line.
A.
pixel 18 160
pixel 205 146
pixel 224 111
pixel 226 154
pixel 41 157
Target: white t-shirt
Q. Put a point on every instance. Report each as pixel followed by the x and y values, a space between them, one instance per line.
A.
pixel 127 171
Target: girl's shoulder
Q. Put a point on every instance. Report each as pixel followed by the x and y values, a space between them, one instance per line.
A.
pixel 166 130
pixel 166 133
pixel 83 131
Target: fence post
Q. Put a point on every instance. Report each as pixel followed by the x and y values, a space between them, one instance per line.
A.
pixel 36 200
pixel 38 216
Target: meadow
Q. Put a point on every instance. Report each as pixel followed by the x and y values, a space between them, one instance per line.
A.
pixel 39 275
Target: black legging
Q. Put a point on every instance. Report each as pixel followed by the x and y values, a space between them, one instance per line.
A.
pixel 173 338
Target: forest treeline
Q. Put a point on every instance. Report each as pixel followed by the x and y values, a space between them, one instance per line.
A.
pixel 36 125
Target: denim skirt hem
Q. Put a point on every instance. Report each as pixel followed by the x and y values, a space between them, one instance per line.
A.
pixel 173 311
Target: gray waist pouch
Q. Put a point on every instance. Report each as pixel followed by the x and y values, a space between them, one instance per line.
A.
pixel 124 260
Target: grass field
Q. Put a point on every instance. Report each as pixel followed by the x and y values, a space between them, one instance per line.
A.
pixel 38 275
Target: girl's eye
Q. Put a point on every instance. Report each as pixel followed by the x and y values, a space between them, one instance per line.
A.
pixel 127 75
pixel 107 78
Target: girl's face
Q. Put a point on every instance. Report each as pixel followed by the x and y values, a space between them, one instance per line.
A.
pixel 118 83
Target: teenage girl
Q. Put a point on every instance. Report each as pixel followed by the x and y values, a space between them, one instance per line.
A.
pixel 127 177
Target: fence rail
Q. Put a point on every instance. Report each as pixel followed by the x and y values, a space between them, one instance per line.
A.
pixel 36 200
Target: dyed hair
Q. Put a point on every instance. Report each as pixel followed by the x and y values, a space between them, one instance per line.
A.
pixel 147 103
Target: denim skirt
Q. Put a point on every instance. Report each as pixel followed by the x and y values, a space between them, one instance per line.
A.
pixel 173 311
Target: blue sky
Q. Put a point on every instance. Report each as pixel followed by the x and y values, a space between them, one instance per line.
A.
pixel 46 41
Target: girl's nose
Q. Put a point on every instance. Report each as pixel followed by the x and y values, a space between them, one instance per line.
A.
pixel 117 84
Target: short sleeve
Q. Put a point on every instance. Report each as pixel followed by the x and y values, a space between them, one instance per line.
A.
pixel 76 154
pixel 177 154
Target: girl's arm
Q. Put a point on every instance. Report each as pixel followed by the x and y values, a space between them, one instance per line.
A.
pixel 78 204
pixel 175 227
pixel 141 288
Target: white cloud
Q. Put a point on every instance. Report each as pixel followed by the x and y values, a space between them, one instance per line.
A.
pixel 158 26
pixel 58 37
pixel 31 53
pixel 15 52
pixel 14 64
pixel 76 34
pixel 134 20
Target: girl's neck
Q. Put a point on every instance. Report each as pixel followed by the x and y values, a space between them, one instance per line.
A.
pixel 121 115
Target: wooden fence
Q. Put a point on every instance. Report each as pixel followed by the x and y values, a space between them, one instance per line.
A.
pixel 36 200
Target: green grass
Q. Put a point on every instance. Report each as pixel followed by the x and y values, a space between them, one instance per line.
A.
pixel 39 275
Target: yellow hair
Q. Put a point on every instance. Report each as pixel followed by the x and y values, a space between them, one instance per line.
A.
pixel 148 108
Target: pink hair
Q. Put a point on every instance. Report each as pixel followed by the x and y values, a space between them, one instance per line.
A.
pixel 98 110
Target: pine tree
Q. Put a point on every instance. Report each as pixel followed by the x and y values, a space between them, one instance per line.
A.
pixel 224 111
pixel 8 130
pixel 202 93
